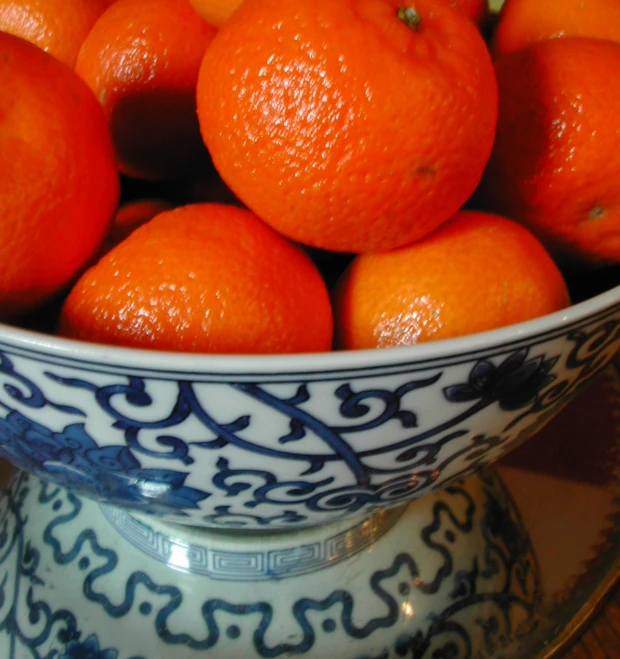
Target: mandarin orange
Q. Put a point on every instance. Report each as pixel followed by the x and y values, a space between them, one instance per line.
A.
pixel 555 165
pixel 203 278
pixel 59 185
pixel 476 272
pixel 141 59
pixel 342 151
pixel 59 27
pixel 522 23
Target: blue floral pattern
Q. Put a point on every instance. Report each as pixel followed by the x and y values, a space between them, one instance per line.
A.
pixel 275 457
pixel 109 472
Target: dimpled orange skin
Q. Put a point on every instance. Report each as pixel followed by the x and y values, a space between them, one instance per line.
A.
pixel 57 26
pixel 141 59
pixel 59 185
pixel 203 278
pixel 343 127
pixel 555 165
pixel 524 22
pixel 476 272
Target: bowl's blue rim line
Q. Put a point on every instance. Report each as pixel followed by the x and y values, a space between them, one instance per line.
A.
pixel 393 369
pixel 114 359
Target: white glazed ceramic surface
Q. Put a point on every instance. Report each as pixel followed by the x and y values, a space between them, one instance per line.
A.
pixel 451 575
pixel 268 442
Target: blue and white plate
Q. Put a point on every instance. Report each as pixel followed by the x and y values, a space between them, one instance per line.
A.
pixel 450 575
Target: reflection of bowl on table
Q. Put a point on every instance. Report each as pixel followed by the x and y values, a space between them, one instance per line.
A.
pixel 452 574
pixel 266 442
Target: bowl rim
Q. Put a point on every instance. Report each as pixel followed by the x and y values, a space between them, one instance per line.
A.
pixel 29 343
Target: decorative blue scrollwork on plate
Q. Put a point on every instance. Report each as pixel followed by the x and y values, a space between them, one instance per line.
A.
pixel 457 578
pixel 257 452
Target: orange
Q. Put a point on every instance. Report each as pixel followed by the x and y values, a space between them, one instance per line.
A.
pixel 476 272
pixel 555 165
pixel 215 12
pixel 58 181
pixel 57 26
pixel 353 125
pixel 522 23
pixel 203 278
pixel 141 59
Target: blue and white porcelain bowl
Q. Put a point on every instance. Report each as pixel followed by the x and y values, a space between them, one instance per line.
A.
pixel 273 442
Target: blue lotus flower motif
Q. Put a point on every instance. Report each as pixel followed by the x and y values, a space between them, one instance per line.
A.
pixel 111 473
pixel 514 384
pixel 87 649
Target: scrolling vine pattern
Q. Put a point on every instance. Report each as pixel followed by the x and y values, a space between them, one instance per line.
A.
pixel 321 465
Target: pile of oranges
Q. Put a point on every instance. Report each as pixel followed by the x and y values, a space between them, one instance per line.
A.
pixel 260 176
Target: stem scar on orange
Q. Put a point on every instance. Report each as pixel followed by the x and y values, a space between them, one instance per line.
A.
pixel 353 125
